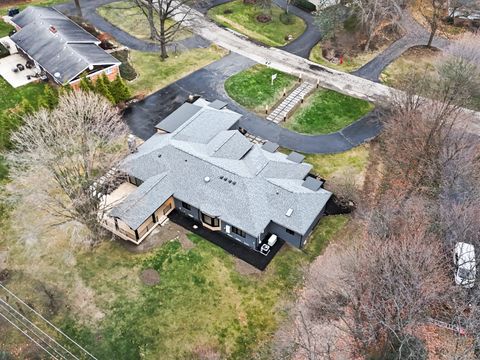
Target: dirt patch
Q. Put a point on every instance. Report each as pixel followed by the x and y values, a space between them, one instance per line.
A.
pixel 4 275
pixel 150 277
pixel 245 268
pixel 159 236
pixel 83 302
pixel 186 243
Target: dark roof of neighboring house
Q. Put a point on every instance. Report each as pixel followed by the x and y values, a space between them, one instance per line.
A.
pixel 59 45
pixel 217 170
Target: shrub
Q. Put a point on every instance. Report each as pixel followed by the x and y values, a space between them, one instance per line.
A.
pixel 3 51
pixel 126 69
pixel 351 24
pixel 305 5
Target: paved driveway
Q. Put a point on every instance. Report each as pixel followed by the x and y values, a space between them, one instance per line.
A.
pixel 209 83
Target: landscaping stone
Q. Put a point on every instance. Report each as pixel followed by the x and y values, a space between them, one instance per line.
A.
pixel 150 277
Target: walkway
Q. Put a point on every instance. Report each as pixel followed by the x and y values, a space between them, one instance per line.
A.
pixel 416 35
pixel 302 45
pixel 89 10
pixel 208 82
pixel 282 111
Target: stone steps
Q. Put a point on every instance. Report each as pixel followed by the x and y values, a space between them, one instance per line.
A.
pixel 281 112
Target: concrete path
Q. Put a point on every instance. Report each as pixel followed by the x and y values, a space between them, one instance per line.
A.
pixel 89 10
pixel 302 45
pixel 282 111
pixel 208 82
pixel 415 35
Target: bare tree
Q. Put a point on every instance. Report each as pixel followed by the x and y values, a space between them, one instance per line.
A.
pixel 165 19
pixel 373 13
pixel 433 15
pixel 75 143
pixel 79 8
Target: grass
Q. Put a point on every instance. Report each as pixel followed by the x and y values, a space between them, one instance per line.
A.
pixel 5 28
pixel 352 162
pixel 327 111
pixel 201 303
pixel 419 59
pixel 350 63
pixel 128 17
pixel 12 97
pixel 154 74
pixel 253 88
pixel 242 18
pixel 22 5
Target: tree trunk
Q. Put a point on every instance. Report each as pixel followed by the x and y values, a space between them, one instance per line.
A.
pixel 163 41
pixel 367 45
pixel 432 34
pixel 151 24
pixel 79 8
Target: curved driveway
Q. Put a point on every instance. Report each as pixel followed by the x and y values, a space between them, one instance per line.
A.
pixel 209 81
pixel 89 10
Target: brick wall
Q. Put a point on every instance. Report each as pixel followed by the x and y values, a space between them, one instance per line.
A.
pixel 113 73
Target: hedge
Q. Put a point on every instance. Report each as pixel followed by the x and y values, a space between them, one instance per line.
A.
pixel 305 5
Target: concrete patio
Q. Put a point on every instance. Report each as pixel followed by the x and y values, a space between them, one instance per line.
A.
pixel 19 78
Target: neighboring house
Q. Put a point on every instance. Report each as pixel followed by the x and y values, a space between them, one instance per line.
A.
pixel 465 12
pixel 60 47
pixel 200 164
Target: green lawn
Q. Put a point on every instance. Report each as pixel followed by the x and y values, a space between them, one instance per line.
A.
pixel 12 97
pixel 327 111
pixel 154 74
pixel 131 19
pixel 242 18
pixel 201 303
pixel 5 28
pixel 24 4
pixel 253 88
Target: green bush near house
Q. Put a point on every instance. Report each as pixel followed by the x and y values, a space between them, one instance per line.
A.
pixel 253 87
pixel 127 71
pixel 327 111
pixel 5 28
pixel 242 17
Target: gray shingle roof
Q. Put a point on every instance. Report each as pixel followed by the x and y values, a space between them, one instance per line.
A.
pixel 173 121
pixel 68 50
pixel 246 190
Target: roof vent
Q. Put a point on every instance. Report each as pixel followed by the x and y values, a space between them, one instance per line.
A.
pixel 289 212
pixel 52 29
pixel 207 179
pixel 57 75
pixel 221 177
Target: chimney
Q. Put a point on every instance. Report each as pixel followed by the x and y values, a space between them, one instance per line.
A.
pixel 52 29
pixel 132 144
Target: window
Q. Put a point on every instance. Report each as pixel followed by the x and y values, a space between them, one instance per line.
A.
pixel 214 222
pixel 290 232
pixel 167 209
pixel 186 206
pixel 238 231
pixel 108 71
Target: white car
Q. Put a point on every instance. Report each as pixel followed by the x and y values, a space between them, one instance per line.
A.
pixel 464 260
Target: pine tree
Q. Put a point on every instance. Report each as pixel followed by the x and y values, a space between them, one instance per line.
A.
pixel 102 85
pixel 86 84
pixel 120 91
pixel 50 97
pixel 66 89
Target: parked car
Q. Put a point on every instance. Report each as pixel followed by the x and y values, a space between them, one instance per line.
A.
pixel 464 260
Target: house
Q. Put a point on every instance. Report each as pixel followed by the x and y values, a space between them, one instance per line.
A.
pixel 465 13
pixel 201 165
pixel 60 47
